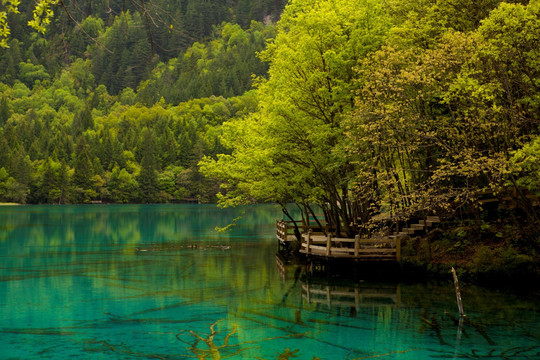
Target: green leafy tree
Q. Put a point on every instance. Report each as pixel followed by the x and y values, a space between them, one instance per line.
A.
pixel 122 186
pixel 29 73
pixel 302 108
pixel 12 189
pixel 47 182
pixel 21 168
pixel 82 121
pixel 221 67
pixel 62 193
pixel 4 177
pixel 435 126
pixel 83 36
pixel 5 111
pixel 125 57
pixel 9 6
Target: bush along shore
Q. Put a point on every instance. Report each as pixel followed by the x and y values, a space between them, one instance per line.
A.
pixel 487 254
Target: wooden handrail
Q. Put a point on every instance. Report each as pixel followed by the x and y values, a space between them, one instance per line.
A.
pixel 328 246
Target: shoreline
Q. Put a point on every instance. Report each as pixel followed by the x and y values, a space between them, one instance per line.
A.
pixel 524 279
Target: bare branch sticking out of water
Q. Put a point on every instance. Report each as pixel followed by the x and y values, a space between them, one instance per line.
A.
pixel 231 225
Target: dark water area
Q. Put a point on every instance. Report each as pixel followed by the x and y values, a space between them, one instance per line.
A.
pixel 160 282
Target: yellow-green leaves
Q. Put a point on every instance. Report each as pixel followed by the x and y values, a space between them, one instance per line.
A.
pixel 292 148
pixel 527 163
pixel 8 6
pixel 436 120
pixel 42 15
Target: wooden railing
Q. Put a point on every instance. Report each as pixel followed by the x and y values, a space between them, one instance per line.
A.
pixel 285 231
pixel 372 249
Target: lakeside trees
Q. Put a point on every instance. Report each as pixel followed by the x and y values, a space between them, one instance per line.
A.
pixel 413 109
pixel 293 146
pixel 446 119
pixel 127 153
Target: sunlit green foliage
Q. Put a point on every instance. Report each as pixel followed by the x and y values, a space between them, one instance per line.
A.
pixel 8 6
pixel 527 162
pixel 292 148
pixel 42 15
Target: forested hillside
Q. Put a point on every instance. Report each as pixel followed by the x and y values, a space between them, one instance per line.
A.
pixel 117 101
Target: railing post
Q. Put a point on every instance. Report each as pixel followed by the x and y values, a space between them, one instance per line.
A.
pixel 356 245
pixel 308 250
pixel 398 248
pixel 328 244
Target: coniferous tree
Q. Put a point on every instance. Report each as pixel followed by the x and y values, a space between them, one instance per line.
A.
pixel 148 184
pixel 82 121
pixel 47 183
pixel 63 196
pixel 5 112
pixel 83 171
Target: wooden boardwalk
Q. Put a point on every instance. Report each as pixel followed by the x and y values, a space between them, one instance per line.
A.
pixel 322 243
pixel 314 243
pixel 360 249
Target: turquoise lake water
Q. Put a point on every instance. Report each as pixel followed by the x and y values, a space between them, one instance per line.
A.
pixel 159 282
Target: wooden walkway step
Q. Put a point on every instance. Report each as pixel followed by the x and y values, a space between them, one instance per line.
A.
pixel 419 227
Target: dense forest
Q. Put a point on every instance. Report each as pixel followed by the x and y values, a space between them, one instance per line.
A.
pixel 118 101
pixel 357 106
